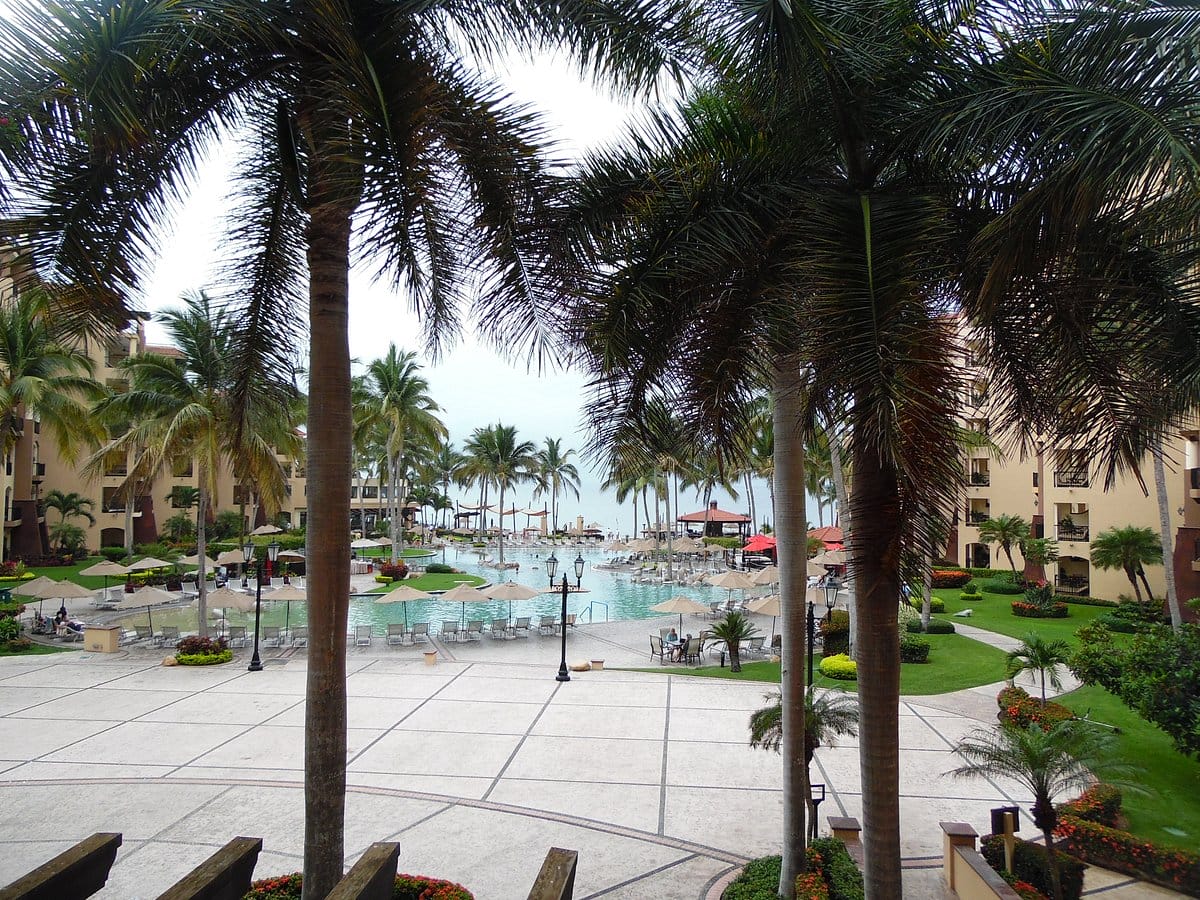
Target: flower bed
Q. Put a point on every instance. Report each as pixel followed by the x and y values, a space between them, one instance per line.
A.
pixel 1101 803
pixel 832 875
pixel 1054 610
pixel 1029 865
pixel 950 578
pixel 1018 708
pixel 202 651
pixel 408 887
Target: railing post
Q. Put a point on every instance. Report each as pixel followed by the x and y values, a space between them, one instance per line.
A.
pixel 225 875
pixel 74 874
pixel 955 834
pixel 373 877
pixel 556 880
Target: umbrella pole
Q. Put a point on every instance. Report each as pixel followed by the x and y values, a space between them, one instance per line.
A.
pixel 150 619
pixel 287 616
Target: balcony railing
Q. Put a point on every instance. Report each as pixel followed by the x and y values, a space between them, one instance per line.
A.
pixel 1071 584
pixel 116 471
pixel 982 479
pixel 1073 532
pixel 1071 478
pixel 976 518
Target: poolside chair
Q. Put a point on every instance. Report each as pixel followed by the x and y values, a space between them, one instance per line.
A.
pixel 449 631
pixel 714 610
pixel 69 635
pixel 691 651
pixel 656 649
pixel 144 632
pixel 300 636
pixel 237 636
pixel 546 625
pixel 168 636
pixel 754 647
pixel 499 629
pixel 523 624
pixel 362 635
pixel 273 635
pixel 474 630
pixel 419 630
pixel 395 634
pixel 570 622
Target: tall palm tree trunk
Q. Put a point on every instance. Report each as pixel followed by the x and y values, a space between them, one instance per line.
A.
pixel 501 543
pixel 1131 574
pixel 671 534
pixel 201 548
pixel 875 562
pixel 329 453
pixel 838 473
pixel 791 541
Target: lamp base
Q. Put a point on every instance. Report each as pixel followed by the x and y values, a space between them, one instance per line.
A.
pixel 563 675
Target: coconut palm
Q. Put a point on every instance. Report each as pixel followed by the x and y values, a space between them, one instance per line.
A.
pixel 806 224
pixel 70 505
pixel 180 411
pixel 1036 654
pixel 733 630
pixel 363 125
pixel 1006 531
pixel 398 404
pixel 555 475
pixel 826 715
pixel 1129 549
pixel 499 458
pixel 1049 763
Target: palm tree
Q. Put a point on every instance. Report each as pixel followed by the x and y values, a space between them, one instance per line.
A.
pixel 1129 549
pixel 1048 762
pixel 399 405
pixel 356 121
pixel 180 409
pixel 1039 553
pixel 1036 654
pixel 502 460
pixel 1164 535
pixel 805 224
pixel 826 715
pixel 555 475
pixel 1005 530
pixel 733 630
pixel 444 467
pixel 72 505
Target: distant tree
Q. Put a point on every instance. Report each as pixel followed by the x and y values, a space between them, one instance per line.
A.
pixel 1006 531
pixel 1128 549
pixel 734 630
pixel 555 475
pixel 1036 654
pixel 68 539
pixel 71 505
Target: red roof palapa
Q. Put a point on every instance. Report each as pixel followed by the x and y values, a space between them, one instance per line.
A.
pixel 712 514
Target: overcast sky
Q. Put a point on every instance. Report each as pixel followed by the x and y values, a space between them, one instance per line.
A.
pixel 473 385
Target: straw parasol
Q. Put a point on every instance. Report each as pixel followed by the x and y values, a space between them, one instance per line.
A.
pixel 363 543
pixel 287 594
pixel 105 569
pixel 266 529
pixel 149 563
pixel 194 560
pixel 464 594
pixel 230 558
pixel 681 605
pixel 733 580
pixel 769 575
pixel 830 558
pixel 510 591
pixel 147 597
pixel 57 590
pixel 403 594
pixel 815 570
pixel 224 598
pixel 31 587
pixel 767 606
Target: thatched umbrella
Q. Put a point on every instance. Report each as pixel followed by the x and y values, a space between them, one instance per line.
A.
pixel 403 594
pixel 287 594
pixel 105 569
pixel 681 605
pixel 510 591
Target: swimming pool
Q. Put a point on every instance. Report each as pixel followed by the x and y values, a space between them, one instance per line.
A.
pixel 609 595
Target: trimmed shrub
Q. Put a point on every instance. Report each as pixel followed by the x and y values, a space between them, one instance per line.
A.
pixel 967 597
pixel 936 626
pixel 1101 803
pixel 1031 611
pixel 936 604
pixel 1030 865
pixel 16 645
pixel 841 667
pixel 204 659
pixel 1019 709
pixel 1083 601
pixel 832 875
pixel 835 633
pixel 395 572
pixel 12 609
pixel 113 554
pixel 1122 852
pixel 440 569
pixel 914 649
pixel 950 578
pixel 996 586
pixel 991 573
pixel 905 616
pixel 202 651
pixel 408 887
pixel 10 629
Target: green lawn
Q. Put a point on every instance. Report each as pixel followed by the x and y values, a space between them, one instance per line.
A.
pixel 1171 780
pixel 994 613
pixel 37 650
pixel 439 581
pixel 955 663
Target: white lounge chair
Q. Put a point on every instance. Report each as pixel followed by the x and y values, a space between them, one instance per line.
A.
pixel 420 630
pixel 474 630
pixel 300 636
pixel 522 624
pixel 449 631
pixel 362 635
pixel 237 636
pixel 396 634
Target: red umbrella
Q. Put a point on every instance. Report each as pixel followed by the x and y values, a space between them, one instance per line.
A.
pixel 759 543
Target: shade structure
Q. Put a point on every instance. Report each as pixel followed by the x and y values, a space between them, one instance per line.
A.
pixel 194 560
pixel 767 606
pixel 148 563
pixel 733 581
pixel 383 541
pixel 465 594
pixel 681 605
pixel 64 590
pixel 291 554
pixel 510 591
pixel 267 529
pixel 230 558
pixel 643 545
pixel 147 597
pixel 30 588
pixel 227 599
pixel 769 575
pixel 815 570
pixel 759 543
pixel 363 544
pixel 830 558
pixel 106 568
pixel 405 595
pixel 287 594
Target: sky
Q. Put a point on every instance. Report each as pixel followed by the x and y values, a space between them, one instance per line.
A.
pixel 472 384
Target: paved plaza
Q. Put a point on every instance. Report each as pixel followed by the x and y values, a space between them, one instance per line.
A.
pixel 476 765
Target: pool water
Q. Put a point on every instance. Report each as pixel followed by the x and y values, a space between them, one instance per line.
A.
pixel 609 595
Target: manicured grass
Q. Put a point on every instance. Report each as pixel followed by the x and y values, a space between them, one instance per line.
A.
pixel 955 663
pixel 1171 780
pixel 438 581
pixel 406 553
pixel 994 613
pixel 37 650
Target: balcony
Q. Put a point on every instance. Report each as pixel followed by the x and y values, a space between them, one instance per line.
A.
pixel 977 518
pixel 981 479
pixel 1194 483
pixel 1071 478
pixel 117 470
pixel 1071 584
pixel 1073 532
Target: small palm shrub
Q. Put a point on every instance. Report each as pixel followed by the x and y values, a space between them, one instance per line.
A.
pixel 839 666
pixel 914 649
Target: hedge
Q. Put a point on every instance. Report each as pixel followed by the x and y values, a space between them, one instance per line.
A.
pixel 1101 803
pixel 1030 865
pixel 950 578
pixel 1032 611
pixel 914 649
pixel 1018 708
pixel 936 604
pixel 835 633
pixel 968 597
pixel 1083 601
pixel 832 875
pixel 840 667
pixel 1122 852
pixel 996 586
pixel 936 626
pixel 204 659
pixel 408 887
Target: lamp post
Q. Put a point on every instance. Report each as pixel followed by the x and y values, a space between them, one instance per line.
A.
pixel 812 634
pixel 551 569
pixel 247 555
pixel 832 586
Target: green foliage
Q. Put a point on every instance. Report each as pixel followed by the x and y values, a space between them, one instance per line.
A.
pixel 10 629
pixel 838 868
pixel 1040 656
pixel 1000 586
pixel 113 554
pixel 16 645
pixel 950 578
pixel 1030 611
pixel 226 524
pixel 157 550
pixel 1100 803
pixel 835 632
pixel 407 887
pixel 1129 616
pixel 395 571
pixel 831 874
pixel 440 569
pixel 970 597
pixel 11 609
pixel 1019 709
pixel 936 626
pixel 913 649
pixel 68 539
pixel 936 604
pixel 178 528
pixel 195 644
pixel 1082 601
pixel 1157 674
pixel 204 659
pixel 839 666
pixel 1030 865
pixel 730 543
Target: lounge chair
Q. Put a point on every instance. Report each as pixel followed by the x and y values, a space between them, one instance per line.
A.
pixel 237 635
pixel 499 629
pixel 273 635
pixel 69 635
pixel 474 630
pixel 754 647
pixel 546 625
pixel 715 610
pixel 419 630
pixel 362 635
pixel 395 634
pixel 143 632
pixel 449 631
pixel 169 636
pixel 523 624
pixel 691 651
pixel 300 636
pixel 656 649
pixel 570 620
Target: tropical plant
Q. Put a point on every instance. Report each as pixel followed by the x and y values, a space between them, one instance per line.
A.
pixel 555 475
pixel 1039 552
pixel 496 457
pixel 1047 762
pixel 805 224
pixel 735 629
pixel 826 715
pixel 183 496
pixel 1006 531
pixel 72 505
pixel 1129 549
pixel 69 539
pixel 179 527
pixel 1045 658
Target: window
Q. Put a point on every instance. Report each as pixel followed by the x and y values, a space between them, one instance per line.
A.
pixel 115 464
pixel 370 492
pixel 181 468
pixel 112 501
pixel 354 492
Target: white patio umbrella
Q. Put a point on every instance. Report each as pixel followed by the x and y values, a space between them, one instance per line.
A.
pixel 681 605
pixel 287 594
pixel 291 554
pixel 31 587
pixel 733 580
pixel 224 598
pixel 769 575
pixel 267 529
pixel 403 594
pixel 767 606
pixel 194 560
pixel 148 563
pixel 510 591
pixel 363 543
pixel 465 594
pixel 105 569
pixel 147 597
pixel 58 590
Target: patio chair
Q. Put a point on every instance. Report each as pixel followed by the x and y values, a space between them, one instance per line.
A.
pixel 69 635
pixel 656 649
pixel 523 624
pixel 273 635
pixel 754 647
pixel 237 636
pixel 571 620
pixel 395 634
pixel 714 610
pixel 546 625
pixel 449 631
pixel 144 632
pixel 419 630
pixel 474 630
pixel 499 629
pixel 362 635
pixel 300 636
pixel 691 651
pixel 168 636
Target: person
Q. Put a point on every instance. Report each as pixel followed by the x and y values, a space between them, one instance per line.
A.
pixel 672 636
pixel 681 648
pixel 62 610
pixel 40 625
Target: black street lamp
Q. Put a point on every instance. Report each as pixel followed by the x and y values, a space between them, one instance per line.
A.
pixel 551 569
pixel 832 586
pixel 247 555
pixel 812 634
